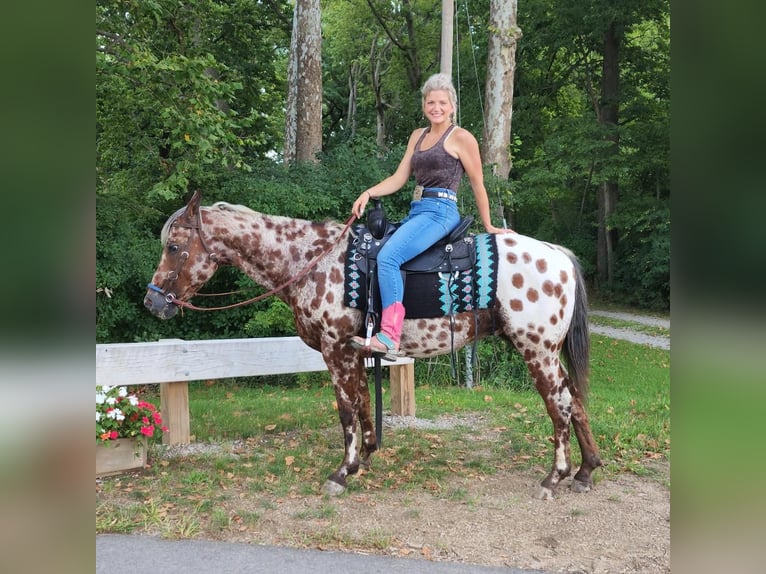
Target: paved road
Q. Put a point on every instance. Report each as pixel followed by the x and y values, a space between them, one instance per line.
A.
pixel 629 335
pixel 208 557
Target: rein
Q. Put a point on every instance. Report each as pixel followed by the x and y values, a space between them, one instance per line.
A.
pixel 171 298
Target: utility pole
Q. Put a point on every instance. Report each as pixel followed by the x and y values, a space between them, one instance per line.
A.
pixel 448 18
pixel 448 33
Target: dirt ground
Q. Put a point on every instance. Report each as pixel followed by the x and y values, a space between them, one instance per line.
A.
pixel 623 525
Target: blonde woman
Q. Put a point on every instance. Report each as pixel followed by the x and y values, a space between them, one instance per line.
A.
pixel 438 156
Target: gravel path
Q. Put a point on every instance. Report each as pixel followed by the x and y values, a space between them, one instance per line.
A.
pixel 630 335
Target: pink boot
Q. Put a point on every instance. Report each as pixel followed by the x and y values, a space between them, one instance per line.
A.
pixel 386 342
pixel 391 323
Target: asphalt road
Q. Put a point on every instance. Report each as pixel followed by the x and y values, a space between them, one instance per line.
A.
pixel 629 334
pixel 154 554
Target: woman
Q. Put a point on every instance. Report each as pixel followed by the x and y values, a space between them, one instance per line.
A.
pixel 438 156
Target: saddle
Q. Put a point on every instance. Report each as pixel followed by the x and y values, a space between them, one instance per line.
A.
pixel 455 252
pixel 456 274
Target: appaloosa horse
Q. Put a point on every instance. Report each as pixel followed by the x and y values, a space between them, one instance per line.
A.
pixel 540 307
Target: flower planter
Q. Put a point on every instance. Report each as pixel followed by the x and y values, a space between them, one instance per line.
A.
pixel 120 455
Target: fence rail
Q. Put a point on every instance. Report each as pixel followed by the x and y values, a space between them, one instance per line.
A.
pixel 175 362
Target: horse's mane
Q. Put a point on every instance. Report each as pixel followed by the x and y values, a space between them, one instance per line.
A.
pixel 166 228
pixel 231 207
pixel 222 205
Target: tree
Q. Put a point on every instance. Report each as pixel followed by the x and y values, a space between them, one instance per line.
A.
pixel 177 85
pixel 504 34
pixel 608 110
pixel 593 91
pixel 303 124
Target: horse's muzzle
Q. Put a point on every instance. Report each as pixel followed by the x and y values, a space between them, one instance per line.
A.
pixel 159 306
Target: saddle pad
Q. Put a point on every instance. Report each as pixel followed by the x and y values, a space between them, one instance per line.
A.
pixel 435 294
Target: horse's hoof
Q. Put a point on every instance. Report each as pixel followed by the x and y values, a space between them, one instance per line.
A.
pixel 331 488
pixel 580 486
pixel 544 493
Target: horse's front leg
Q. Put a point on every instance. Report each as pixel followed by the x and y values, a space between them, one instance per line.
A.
pixel 369 437
pixel 353 399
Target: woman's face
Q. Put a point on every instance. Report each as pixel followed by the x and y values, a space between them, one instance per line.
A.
pixel 437 106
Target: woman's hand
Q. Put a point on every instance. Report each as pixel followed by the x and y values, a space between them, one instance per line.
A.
pixel 360 203
pixel 498 230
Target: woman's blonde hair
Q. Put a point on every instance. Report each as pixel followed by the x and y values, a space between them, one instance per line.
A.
pixel 441 82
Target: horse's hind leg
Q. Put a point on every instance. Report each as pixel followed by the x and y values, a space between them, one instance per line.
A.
pixel 582 481
pixel 552 384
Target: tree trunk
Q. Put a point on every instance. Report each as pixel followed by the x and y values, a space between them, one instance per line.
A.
pixel 448 30
pixel 378 68
pixel 405 41
pixel 353 82
pixel 303 122
pixel 608 191
pixel 501 65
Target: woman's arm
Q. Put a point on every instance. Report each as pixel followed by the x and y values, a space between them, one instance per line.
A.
pixel 465 146
pixel 392 183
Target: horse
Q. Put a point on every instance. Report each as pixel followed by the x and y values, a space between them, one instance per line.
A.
pixel 540 307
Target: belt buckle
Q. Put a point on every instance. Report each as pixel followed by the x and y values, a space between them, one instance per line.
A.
pixel 417 193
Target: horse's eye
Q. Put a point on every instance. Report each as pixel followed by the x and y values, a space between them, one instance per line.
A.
pixel 172 248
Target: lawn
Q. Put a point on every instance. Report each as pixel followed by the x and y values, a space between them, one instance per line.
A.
pixel 282 440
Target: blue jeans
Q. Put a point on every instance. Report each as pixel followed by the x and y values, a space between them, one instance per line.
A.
pixel 428 221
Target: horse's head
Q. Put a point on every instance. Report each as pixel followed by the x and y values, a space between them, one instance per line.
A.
pixel 186 263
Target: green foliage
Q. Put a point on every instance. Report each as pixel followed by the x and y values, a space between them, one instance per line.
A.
pixel 192 95
pixel 128 248
pixel 562 154
pixel 178 95
pixel 497 366
pixel 275 321
pixel 643 274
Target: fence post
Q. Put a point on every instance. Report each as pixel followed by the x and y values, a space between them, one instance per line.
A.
pixel 174 409
pixel 402 379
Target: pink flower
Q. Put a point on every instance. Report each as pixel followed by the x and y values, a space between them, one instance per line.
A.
pixel 157 418
pixel 113 435
pixel 147 431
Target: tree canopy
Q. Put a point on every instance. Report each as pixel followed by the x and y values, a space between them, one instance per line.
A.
pixel 193 95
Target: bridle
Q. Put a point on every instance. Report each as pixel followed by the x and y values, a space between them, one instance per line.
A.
pixel 196 229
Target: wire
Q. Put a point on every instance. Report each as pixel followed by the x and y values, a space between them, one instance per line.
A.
pixel 473 56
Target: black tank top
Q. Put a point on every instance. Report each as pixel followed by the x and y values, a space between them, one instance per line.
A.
pixel 434 167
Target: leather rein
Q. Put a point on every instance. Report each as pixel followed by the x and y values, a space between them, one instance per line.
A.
pixel 196 227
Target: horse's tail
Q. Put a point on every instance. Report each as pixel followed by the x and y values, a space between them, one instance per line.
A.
pixel 577 341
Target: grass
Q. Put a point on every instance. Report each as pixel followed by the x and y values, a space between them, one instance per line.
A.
pixel 280 443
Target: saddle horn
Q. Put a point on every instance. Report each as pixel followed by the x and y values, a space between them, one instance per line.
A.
pixel 376 220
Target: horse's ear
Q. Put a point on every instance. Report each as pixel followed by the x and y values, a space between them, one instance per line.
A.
pixel 192 208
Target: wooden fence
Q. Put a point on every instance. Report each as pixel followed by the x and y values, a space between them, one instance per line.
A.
pixel 175 362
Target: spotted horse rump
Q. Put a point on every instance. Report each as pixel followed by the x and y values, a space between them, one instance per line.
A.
pixel 540 306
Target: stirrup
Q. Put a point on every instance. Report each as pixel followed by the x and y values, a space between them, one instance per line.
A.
pixel 390 353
